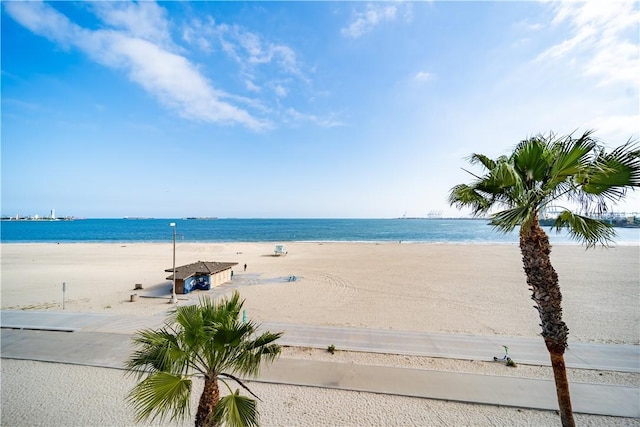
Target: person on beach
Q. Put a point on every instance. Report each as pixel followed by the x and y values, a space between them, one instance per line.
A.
pixel 245 267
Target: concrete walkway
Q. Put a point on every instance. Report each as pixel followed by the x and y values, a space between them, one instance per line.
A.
pixel 105 340
pixel 606 357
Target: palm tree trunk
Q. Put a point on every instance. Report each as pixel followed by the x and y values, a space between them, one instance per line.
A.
pixel 562 388
pixel 543 282
pixel 208 400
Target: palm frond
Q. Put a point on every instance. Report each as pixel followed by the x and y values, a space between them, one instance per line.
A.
pixel 231 335
pixel 571 157
pixel 264 340
pixel 157 350
pixel 229 308
pixel 245 356
pixel 248 362
pixel 483 160
pixel 467 196
pixel 584 229
pixel 235 410
pixel 612 173
pixel 192 331
pixel 161 395
pixel 503 175
pixel 225 375
pixel 507 220
pixel 531 160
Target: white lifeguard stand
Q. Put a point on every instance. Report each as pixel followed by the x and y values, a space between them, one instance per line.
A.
pixel 280 250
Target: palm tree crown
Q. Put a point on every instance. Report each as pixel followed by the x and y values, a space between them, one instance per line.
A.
pixel 543 172
pixel 206 339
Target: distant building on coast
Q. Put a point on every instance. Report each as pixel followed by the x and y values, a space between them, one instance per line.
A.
pixel 36 217
pixel 430 215
pixel 615 219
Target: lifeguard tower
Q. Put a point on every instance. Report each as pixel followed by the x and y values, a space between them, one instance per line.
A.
pixel 280 250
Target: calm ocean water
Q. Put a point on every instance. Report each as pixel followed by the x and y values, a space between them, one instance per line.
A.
pixel 273 230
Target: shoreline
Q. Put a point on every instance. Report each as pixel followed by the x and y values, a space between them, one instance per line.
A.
pixel 285 242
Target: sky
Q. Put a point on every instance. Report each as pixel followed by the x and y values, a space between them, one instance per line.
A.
pixel 296 109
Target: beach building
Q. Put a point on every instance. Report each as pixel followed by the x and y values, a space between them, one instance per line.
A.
pixel 201 275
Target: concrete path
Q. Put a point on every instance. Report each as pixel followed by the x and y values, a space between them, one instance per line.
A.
pixel 606 357
pixel 105 341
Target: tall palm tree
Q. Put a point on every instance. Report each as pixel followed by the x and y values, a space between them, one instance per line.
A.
pixel 544 173
pixel 209 340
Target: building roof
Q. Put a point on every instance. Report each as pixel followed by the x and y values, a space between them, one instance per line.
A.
pixel 199 268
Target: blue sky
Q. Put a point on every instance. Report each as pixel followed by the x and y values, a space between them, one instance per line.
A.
pixel 296 109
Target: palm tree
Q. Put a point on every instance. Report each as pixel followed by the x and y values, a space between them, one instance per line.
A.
pixel 206 339
pixel 543 173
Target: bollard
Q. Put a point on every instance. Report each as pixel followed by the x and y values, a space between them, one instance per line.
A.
pixel 64 290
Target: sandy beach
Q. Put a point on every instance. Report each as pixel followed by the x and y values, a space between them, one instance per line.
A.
pixel 471 289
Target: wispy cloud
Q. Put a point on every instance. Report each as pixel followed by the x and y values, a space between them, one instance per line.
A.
pixel 199 33
pixel 143 20
pixel 280 91
pixel 251 86
pixel 603 40
pixel 423 76
pixel 299 117
pixel 138 42
pixel 250 49
pixel 262 63
pixel 373 15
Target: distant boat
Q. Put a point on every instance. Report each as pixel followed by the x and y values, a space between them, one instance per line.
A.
pixel 202 218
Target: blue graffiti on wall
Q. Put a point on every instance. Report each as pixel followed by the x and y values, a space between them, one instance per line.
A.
pixel 197 282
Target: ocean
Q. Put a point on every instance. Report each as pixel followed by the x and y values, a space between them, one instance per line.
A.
pixel 463 231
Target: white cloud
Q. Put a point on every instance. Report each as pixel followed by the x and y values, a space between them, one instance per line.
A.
pixel 525 25
pixel 145 20
pixel 603 40
pixel 280 91
pixel 139 51
pixel 42 20
pixel 198 33
pixel 251 86
pixel 328 122
pixel 423 76
pixel 175 81
pixel 373 15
